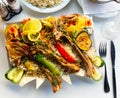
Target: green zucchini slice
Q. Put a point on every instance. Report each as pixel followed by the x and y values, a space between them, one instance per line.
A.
pixel 97 76
pixel 98 61
pixel 83 41
pixel 14 74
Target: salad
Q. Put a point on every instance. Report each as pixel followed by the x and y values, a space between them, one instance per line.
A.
pixel 51 48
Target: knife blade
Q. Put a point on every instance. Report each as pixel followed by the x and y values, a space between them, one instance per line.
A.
pixel 113 54
pixel 113 68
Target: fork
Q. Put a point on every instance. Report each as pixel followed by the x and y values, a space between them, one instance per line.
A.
pixel 103 53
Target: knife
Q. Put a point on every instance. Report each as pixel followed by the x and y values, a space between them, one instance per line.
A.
pixel 113 68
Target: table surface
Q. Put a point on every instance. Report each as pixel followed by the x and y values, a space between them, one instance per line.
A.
pixel 86 89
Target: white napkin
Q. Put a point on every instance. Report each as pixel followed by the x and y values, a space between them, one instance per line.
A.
pixel 90 7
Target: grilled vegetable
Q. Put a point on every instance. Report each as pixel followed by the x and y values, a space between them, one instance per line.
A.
pixel 98 61
pixel 83 41
pixel 47 64
pixel 14 74
pixel 64 52
pixel 96 76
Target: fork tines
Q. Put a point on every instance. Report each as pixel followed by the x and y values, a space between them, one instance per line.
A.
pixel 102 48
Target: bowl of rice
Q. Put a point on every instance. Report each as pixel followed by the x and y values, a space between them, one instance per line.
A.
pixel 45 6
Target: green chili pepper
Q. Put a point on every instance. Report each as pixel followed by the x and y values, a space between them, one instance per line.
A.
pixel 47 64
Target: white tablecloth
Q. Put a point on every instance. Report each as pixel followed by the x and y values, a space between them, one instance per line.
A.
pixel 80 88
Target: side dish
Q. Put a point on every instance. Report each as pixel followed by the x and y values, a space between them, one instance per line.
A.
pixel 50 48
pixel 44 3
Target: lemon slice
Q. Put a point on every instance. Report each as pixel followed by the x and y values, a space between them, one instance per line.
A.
pixel 46 23
pixel 34 25
pixel 32 36
pixel 25 37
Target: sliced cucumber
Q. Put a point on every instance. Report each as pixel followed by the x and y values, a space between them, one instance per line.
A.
pixel 98 61
pixel 14 74
pixel 97 76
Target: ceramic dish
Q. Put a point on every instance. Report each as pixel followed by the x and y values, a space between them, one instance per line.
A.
pixel 102 15
pixel 62 70
pixel 46 10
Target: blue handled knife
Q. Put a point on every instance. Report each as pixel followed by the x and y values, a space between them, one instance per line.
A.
pixel 112 47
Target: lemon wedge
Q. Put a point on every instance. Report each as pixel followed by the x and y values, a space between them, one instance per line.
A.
pixel 32 36
pixel 34 25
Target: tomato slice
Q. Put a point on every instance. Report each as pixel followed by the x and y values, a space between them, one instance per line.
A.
pixel 64 53
pixel 25 20
pixel 12 29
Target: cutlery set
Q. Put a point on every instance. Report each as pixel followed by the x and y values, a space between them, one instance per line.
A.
pixel 103 53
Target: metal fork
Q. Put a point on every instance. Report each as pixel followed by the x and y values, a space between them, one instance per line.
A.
pixel 103 53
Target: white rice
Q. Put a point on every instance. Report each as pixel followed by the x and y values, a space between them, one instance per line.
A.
pixel 44 3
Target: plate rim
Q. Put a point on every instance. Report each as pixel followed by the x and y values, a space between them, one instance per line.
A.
pixel 46 10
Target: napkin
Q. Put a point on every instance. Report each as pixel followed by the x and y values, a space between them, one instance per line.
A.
pixel 90 7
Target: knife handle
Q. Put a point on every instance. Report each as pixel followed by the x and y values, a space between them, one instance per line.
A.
pixel 114 83
pixel 106 83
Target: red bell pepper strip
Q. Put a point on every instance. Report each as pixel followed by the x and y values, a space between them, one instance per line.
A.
pixel 89 23
pixel 64 53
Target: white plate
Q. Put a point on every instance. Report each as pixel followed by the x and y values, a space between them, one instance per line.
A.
pixel 46 10
pixel 104 15
pixel 38 81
